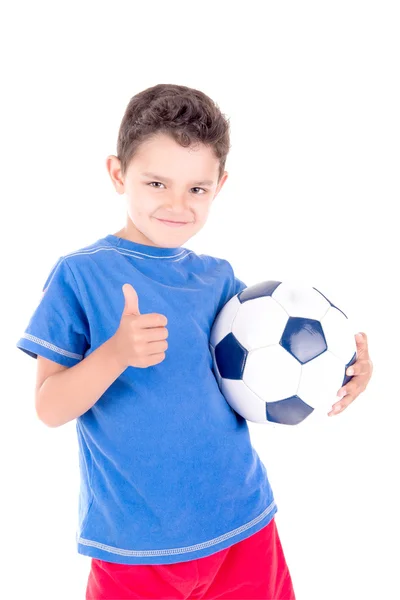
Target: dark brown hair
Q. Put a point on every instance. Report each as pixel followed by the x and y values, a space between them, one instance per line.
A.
pixel 186 114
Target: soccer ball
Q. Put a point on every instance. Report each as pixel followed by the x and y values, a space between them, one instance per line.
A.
pixel 280 352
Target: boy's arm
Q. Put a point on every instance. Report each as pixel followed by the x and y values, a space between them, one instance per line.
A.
pixel 68 394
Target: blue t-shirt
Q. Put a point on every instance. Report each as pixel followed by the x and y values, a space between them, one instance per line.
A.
pixel 168 471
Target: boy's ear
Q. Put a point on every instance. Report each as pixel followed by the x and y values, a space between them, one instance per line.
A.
pixel 113 165
pixel 221 183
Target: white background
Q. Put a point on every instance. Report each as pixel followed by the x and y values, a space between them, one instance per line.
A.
pixel 312 93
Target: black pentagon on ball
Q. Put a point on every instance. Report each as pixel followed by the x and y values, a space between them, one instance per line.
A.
pixel 230 357
pixel 289 411
pixel 258 290
pixel 304 339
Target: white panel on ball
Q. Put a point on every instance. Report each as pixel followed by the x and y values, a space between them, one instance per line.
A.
pixel 246 403
pixel 319 381
pixel 270 318
pixel 222 326
pixel 272 373
pixel 339 335
pixel 300 300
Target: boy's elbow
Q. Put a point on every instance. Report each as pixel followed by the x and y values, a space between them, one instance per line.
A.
pixel 44 417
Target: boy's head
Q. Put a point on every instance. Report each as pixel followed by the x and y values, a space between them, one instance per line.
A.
pixel 179 136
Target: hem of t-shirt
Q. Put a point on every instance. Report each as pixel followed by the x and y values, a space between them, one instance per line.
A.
pixel 156 557
pixel 34 346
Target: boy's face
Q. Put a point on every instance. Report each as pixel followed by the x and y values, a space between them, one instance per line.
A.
pixel 175 191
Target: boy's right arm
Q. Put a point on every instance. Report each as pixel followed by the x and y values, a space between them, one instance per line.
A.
pixel 65 393
pixel 70 392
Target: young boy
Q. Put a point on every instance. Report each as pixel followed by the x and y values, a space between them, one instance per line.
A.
pixel 174 500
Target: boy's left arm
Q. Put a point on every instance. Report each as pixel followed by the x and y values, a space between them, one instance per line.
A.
pixel 362 371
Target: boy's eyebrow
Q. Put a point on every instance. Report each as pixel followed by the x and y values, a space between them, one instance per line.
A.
pixel 160 177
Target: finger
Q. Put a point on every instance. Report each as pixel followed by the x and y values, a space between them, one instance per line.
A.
pixel 341 393
pixel 353 370
pixel 362 345
pixel 131 305
pixel 351 389
pixel 153 321
pixel 360 367
pixel 155 334
pixel 339 407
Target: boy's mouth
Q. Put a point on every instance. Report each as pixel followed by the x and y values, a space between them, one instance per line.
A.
pixel 172 223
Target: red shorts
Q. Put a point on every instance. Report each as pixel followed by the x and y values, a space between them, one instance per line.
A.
pixel 252 568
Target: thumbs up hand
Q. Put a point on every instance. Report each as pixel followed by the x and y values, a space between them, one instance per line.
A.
pixel 131 300
pixel 140 340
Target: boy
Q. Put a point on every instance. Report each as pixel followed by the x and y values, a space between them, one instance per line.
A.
pixel 174 501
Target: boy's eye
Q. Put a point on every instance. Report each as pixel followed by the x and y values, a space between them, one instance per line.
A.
pixel 195 188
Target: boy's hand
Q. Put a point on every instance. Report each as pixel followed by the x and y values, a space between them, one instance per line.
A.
pixel 140 340
pixel 361 371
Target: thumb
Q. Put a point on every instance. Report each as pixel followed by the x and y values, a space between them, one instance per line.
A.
pixel 131 306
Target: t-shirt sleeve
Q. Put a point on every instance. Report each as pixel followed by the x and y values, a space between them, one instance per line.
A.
pixel 237 285
pixel 58 328
pixel 232 284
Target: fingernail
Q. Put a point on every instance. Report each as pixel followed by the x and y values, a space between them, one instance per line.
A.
pixel 359 336
pixel 350 371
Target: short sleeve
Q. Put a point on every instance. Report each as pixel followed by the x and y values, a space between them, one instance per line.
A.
pixel 237 285
pixel 232 284
pixel 58 328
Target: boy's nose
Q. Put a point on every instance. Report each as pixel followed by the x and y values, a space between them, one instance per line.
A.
pixel 179 205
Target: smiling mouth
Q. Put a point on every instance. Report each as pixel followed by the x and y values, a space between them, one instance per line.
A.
pixel 168 222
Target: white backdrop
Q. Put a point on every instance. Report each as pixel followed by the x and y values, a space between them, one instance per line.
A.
pixel 312 93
